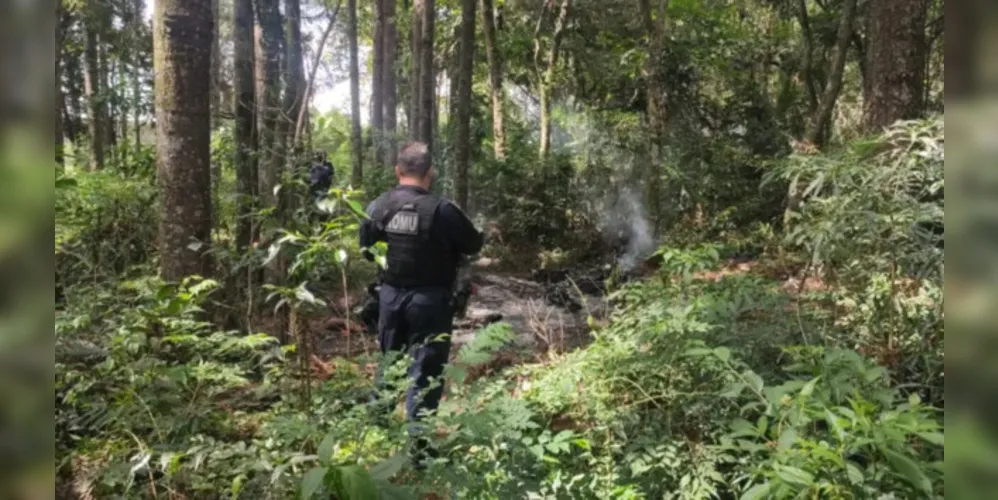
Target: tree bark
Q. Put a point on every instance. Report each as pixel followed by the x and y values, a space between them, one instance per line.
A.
pixel 495 79
pixel 896 63
pixel 427 91
pixel 58 127
pixel 656 112
pixel 294 94
pixel 245 130
pixel 93 90
pixel 389 82
pixel 268 91
pixel 819 121
pixel 216 67
pixel 357 173
pixel 807 72
pixel 377 85
pixel 547 85
pixel 415 61
pixel 182 60
pixel 465 74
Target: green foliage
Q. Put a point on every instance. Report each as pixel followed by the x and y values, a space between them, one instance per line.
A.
pixel 105 225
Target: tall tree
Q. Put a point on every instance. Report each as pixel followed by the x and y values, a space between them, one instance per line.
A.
pixel 357 173
pixel 547 83
pixel 268 90
pixel 823 114
pixel 807 69
pixel 415 64
pixel 896 62
pixel 389 81
pixel 377 86
pixel 465 74
pixel 656 112
pixel 495 78
pixel 428 87
pixel 59 134
pixel 216 65
pixel 92 86
pixel 294 94
pixel 245 131
pixel 182 60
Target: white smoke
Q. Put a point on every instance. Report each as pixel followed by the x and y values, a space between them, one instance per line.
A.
pixel 624 220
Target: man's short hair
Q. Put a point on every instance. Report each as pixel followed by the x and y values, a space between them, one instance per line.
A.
pixel 414 160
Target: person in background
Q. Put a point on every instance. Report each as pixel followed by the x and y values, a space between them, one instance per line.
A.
pixel 321 176
pixel 426 237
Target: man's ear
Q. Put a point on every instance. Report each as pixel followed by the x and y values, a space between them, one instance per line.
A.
pixel 398 172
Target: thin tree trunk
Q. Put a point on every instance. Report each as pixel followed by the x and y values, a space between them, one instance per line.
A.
pixel 807 72
pixel 816 130
pixel 268 75
pixel 138 6
pixel 245 129
pixel 92 87
pixel 415 76
pixel 656 111
pixel 182 59
pixel 495 79
pixel 216 68
pixel 58 127
pixel 389 82
pixel 896 64
pixel 427 92
pixel 547 85
pixel 377 86
pixel 74 98
pixel 294 95
pixel 465 74
pixel 357 173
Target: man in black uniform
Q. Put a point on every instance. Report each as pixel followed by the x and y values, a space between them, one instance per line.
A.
pixel 320 176
pixel 426 237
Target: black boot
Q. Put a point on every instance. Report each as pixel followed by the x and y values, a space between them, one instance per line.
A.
pixel 423 453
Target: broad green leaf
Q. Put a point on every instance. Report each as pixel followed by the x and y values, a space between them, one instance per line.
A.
pixel 809 387
pixel 935 438
pixel 909 470
pixel 325 449
pixel 787 439
pixel 389 491
pixel 855 473
pixel 341 256
pixel 756 492
pixel 312 481
pixel 793 475
pixel 357 484
pixel 388 468
pixel 722 353
pixel 754 380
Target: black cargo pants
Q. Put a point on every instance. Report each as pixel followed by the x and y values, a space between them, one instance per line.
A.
pixel 412 321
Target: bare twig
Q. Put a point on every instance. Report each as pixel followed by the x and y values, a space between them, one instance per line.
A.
pixel 312 72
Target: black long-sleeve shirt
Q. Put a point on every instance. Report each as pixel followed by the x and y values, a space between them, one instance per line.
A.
pixel 449 223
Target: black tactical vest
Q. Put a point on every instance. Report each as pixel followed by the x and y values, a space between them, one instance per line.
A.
pixel 417 255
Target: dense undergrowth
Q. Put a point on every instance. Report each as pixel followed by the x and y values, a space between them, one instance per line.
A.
pixel 707 381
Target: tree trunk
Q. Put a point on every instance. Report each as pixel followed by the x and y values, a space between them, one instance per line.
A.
pixel 268 91
pixel 819 121
pixel 415 76
pixel 92 86
pixel 245 131
pixel 109 90
pixel 216 67
pixel 807 71
pixel 656 112
pixel 547 84
pixel 389 82
pixel 465 74
pixel 74 98
pixel 427 92
pixel 495 79
pixel 896 63
pixel 182 60
pixel 58 127
pixel 138 6
pixel 962 47
pixel 294 94
pixel 357 172
pixel 377 85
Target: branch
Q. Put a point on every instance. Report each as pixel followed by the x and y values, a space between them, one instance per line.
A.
pixel 312 72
